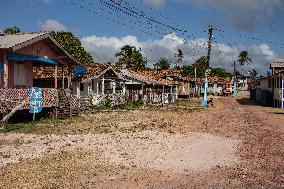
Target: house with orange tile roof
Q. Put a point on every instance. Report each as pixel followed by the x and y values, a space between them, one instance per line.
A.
pixel 99 79
pixel 188 87
pixel 147 86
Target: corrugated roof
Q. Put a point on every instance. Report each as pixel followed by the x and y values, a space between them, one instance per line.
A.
pixel 145 76
pixel 9 41
pixel 95 70
pixel 277 64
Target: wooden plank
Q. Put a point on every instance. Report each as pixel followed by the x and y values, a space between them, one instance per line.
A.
pixel 69 76
pixel 8 116
pixel 63 76
pixel 55 77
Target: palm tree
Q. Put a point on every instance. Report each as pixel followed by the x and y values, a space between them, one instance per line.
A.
pixel 179 56
pixel 244 58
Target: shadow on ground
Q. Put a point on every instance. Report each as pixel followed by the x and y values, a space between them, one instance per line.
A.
pixel 247 101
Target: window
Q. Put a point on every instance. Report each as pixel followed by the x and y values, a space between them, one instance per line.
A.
pixel 19 74
pixel 81 86
pixel 93 84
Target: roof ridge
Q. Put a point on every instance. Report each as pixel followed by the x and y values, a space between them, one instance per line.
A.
pixel 24 33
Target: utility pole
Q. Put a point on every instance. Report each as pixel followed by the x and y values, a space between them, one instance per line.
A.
pixel 195 85
pixel 210 34
pixel 235 79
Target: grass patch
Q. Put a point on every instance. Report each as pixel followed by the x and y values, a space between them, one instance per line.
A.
pixel 29 127
pixel 19 127
pixel 129 105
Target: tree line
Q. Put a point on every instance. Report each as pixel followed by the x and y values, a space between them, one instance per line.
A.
pixel 132 58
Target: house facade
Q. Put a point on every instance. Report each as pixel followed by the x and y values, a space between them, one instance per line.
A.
pixel 271 89
pixel 277 67
pixel 242 83
pixel 20 55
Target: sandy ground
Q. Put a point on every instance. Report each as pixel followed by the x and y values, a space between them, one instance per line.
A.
pixel 235 144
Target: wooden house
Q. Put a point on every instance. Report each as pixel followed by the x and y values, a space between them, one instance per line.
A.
pixel 148 86
pixel 216 85
pixel 271 90
pixel 98 80
pixel 22 56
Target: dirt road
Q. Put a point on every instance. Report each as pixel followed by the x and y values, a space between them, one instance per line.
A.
pixel 235 144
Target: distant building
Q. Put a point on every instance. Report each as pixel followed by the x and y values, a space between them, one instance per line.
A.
pixel 242 83
pixel 277 67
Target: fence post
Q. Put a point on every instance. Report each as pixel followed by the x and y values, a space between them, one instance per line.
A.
pixel 56 102
pixel 70 102
pixel 6 107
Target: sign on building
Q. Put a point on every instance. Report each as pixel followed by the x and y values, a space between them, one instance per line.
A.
pixel 35 100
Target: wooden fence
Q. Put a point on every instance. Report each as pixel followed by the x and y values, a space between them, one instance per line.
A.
pixel 10 98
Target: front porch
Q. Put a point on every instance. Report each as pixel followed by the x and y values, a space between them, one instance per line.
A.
pixel 36 62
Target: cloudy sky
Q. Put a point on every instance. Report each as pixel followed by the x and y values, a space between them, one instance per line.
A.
pixel 161 27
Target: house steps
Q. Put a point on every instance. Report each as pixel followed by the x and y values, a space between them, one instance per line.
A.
pixel 64 108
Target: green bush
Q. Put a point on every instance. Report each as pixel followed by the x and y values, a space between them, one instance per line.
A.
pixel 130 105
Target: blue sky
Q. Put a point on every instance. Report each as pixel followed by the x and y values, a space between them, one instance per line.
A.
pixel 104 29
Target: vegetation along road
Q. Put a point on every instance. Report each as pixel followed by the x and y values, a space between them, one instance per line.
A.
pixel 234 144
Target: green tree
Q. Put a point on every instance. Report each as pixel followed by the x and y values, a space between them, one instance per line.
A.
pixel 200 69
pixel 131 57
pixel 244 58
pixel 163 64
pixel 12 30
pixel 200 66
pixel 73 46
pixel 220 72
pixel 253 81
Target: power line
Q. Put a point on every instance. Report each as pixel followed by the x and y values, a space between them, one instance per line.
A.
pixel 140 17
pixel 254 38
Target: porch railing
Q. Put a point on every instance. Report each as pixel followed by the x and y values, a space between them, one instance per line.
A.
pixel 10 98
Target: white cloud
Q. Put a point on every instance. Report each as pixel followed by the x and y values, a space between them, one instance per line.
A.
pixel 266 50
pixel 52 25
pixel 104 49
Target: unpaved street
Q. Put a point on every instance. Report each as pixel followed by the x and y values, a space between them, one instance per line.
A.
pixel 235 144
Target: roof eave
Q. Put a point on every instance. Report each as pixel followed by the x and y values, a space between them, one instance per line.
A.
pixel 45 36
pixel 29 42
